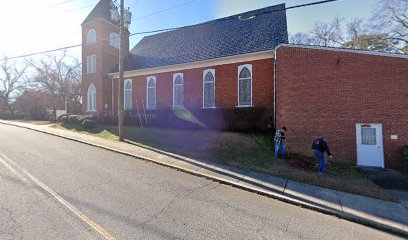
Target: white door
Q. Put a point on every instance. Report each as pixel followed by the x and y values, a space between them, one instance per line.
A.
pixel 370 145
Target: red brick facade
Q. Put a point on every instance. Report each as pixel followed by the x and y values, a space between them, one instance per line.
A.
pixel 226 86
pixel 329 92
pixel 107 57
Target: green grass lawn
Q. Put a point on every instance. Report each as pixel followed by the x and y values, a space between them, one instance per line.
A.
pixel 247 151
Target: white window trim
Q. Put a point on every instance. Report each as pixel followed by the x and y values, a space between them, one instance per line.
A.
pixel 87 35
pixel 249 66
pixel 87 98
pixel 117 41
pixel 174 79
pixel 212 71
pixel 88 65
pixel 147 92
pixel 131 94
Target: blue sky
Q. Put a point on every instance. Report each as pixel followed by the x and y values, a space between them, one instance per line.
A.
pixel 45 24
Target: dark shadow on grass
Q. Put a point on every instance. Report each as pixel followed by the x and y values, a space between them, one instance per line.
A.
pixel 203 164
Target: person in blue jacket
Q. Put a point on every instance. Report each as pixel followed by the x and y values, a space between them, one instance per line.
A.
pixel 278 140
pixel 320 146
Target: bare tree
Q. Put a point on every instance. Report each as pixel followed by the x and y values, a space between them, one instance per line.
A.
pixel 71 88
pixel 390 17
pixel 355 29
pixel 33 103
pixel 300 38
pixel 322 34
pixel 12 82
pixel 359 36
pixel 387 30
pixel 328 34
pixel 58 75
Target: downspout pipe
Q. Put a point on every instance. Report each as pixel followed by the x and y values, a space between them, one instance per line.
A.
pixel 113 94
pixel 274 90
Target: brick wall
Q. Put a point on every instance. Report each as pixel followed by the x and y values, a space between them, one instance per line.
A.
pixel 328 92
pixel 226 90
pixel 106 58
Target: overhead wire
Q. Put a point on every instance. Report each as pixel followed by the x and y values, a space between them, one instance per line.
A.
pixel 62 3
pixel 164 10
pixel 174 28
pixel 234 17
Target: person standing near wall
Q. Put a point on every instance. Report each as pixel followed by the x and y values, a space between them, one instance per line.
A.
pixel 278 140
pixel 320 146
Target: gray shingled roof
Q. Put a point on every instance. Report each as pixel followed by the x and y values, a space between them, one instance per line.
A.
pixel 101 10
pixel 215 39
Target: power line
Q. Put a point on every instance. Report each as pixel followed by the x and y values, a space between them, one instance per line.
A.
pixel 175 28
pixel 308 4
pixel 164 10
pixel 76 9
pixel 62 3
pixel 234 17
pixel 155 31
pixel 43 52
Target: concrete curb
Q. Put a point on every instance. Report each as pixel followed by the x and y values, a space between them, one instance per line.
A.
pixel 280 197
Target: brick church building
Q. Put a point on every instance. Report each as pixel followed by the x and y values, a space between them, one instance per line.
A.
pixel 239 72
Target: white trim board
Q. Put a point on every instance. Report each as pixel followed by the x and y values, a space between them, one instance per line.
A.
pixel 200 64
pixel 367 52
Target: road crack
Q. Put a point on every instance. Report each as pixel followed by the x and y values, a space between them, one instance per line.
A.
pixel 171 202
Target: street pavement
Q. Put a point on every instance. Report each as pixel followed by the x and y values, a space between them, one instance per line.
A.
pixel 52 188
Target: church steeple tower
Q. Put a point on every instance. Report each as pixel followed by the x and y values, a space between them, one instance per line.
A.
pixel 100 53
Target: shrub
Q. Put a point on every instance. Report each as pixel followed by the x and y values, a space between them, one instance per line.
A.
pixel 63 118
pixel 245 119
pixel 232 119
pixel 74 119
pixel 81 118
pixel 405 153
pixel 88 124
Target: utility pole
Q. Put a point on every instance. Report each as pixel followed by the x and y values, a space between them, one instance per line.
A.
pixel 125 18
pixel 121 55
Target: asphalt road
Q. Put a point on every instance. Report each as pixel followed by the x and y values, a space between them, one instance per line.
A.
pixel 52 188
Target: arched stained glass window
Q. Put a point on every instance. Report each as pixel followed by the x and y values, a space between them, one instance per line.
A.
pixel 151 93
pixel 91 98
pixel 209 88
pixel 178 90
pixel 128 95
pixel 91 37
pixel 114 40
pixel 245 85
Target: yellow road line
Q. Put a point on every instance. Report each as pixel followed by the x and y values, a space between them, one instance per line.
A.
pixel 15 168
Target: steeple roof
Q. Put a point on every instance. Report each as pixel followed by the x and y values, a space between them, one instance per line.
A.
pixel 101 10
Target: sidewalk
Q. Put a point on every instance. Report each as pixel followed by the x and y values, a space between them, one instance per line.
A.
pixel 383 215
